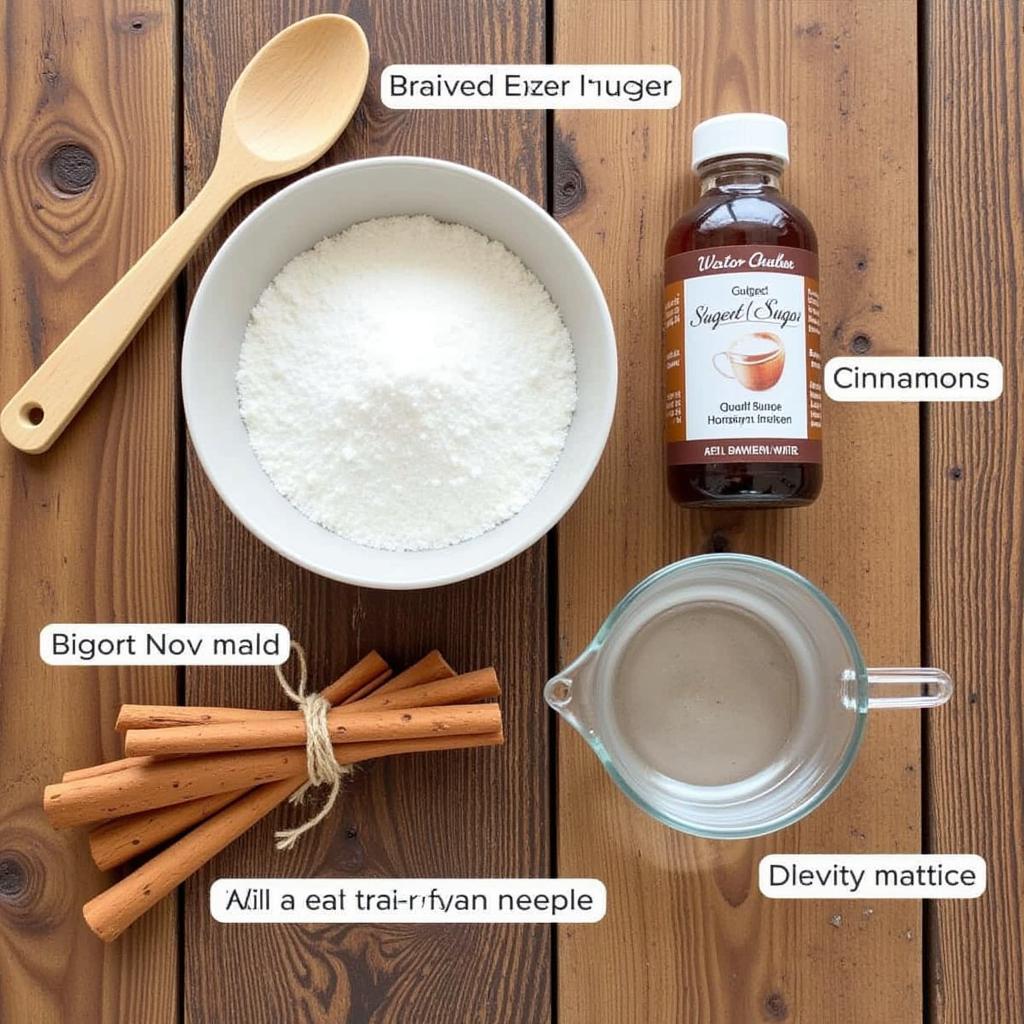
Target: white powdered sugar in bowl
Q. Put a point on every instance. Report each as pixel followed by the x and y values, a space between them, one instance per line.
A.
pixel 407 384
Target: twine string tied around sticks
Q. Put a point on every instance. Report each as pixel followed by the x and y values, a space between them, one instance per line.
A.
pixel 322 769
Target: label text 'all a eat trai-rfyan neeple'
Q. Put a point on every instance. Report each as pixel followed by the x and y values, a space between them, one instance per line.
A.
pixel 407 900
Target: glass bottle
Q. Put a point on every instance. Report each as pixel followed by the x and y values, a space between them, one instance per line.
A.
pixel 742 337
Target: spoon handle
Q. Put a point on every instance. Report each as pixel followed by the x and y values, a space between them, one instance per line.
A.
pixel 37 415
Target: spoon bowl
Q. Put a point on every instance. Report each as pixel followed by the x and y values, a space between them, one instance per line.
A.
pixel 297 95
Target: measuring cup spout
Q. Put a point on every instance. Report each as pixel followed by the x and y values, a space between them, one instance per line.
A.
pixel 566 693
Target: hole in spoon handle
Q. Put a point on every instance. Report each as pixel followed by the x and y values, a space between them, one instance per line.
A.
pixel 32 414
pixel 908 687
pixel 28 422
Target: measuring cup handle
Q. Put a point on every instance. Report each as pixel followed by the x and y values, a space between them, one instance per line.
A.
pixel 926 687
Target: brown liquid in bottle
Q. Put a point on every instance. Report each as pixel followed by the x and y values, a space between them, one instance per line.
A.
pixel 743 206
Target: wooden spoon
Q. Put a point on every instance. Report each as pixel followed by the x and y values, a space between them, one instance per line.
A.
pixel 292 101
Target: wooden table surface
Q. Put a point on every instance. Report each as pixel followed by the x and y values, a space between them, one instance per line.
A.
pixel 906 122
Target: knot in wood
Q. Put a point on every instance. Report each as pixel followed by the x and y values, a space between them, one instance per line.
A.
pixel 350 855
pixel 570 190
pixel 70 169
pixel 13 877
pixel 35 895
pixel 775 1007
pixel 136 22
pixel 719 542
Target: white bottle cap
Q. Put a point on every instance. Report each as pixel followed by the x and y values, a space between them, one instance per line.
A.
pixel 728 134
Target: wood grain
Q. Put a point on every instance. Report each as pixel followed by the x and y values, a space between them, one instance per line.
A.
pixel 87 180
pixel 688 938
pixel 467 813
pixel 975 237
pixel 88 160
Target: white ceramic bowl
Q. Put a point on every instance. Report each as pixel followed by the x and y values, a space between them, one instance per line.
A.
pixel 324 204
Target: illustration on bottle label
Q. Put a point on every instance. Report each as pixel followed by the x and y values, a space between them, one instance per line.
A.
pixel 743 366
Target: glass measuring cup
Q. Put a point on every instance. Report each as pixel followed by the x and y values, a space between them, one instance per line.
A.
pixel 832 692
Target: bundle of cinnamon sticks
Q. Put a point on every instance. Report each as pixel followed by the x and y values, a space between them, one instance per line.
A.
pixel 206 774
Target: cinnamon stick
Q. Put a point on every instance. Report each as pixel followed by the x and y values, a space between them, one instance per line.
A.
pixel 464 689
pixel 168 716
pixel 344 725
pixel 430 667
pixel 163 783
pixel 111 912
pixel 116 842
pixel 459 690
pixel 104 769
pixel 365 672
pixel 365 676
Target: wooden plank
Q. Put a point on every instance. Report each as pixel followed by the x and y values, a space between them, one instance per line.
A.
pixel 688 937
pixel 482 813
pixel 975 184
pixel 88 530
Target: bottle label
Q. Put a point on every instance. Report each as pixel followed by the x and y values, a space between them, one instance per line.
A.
pixel 742 355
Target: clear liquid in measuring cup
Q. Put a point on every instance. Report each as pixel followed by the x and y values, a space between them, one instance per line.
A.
pixel 706 694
